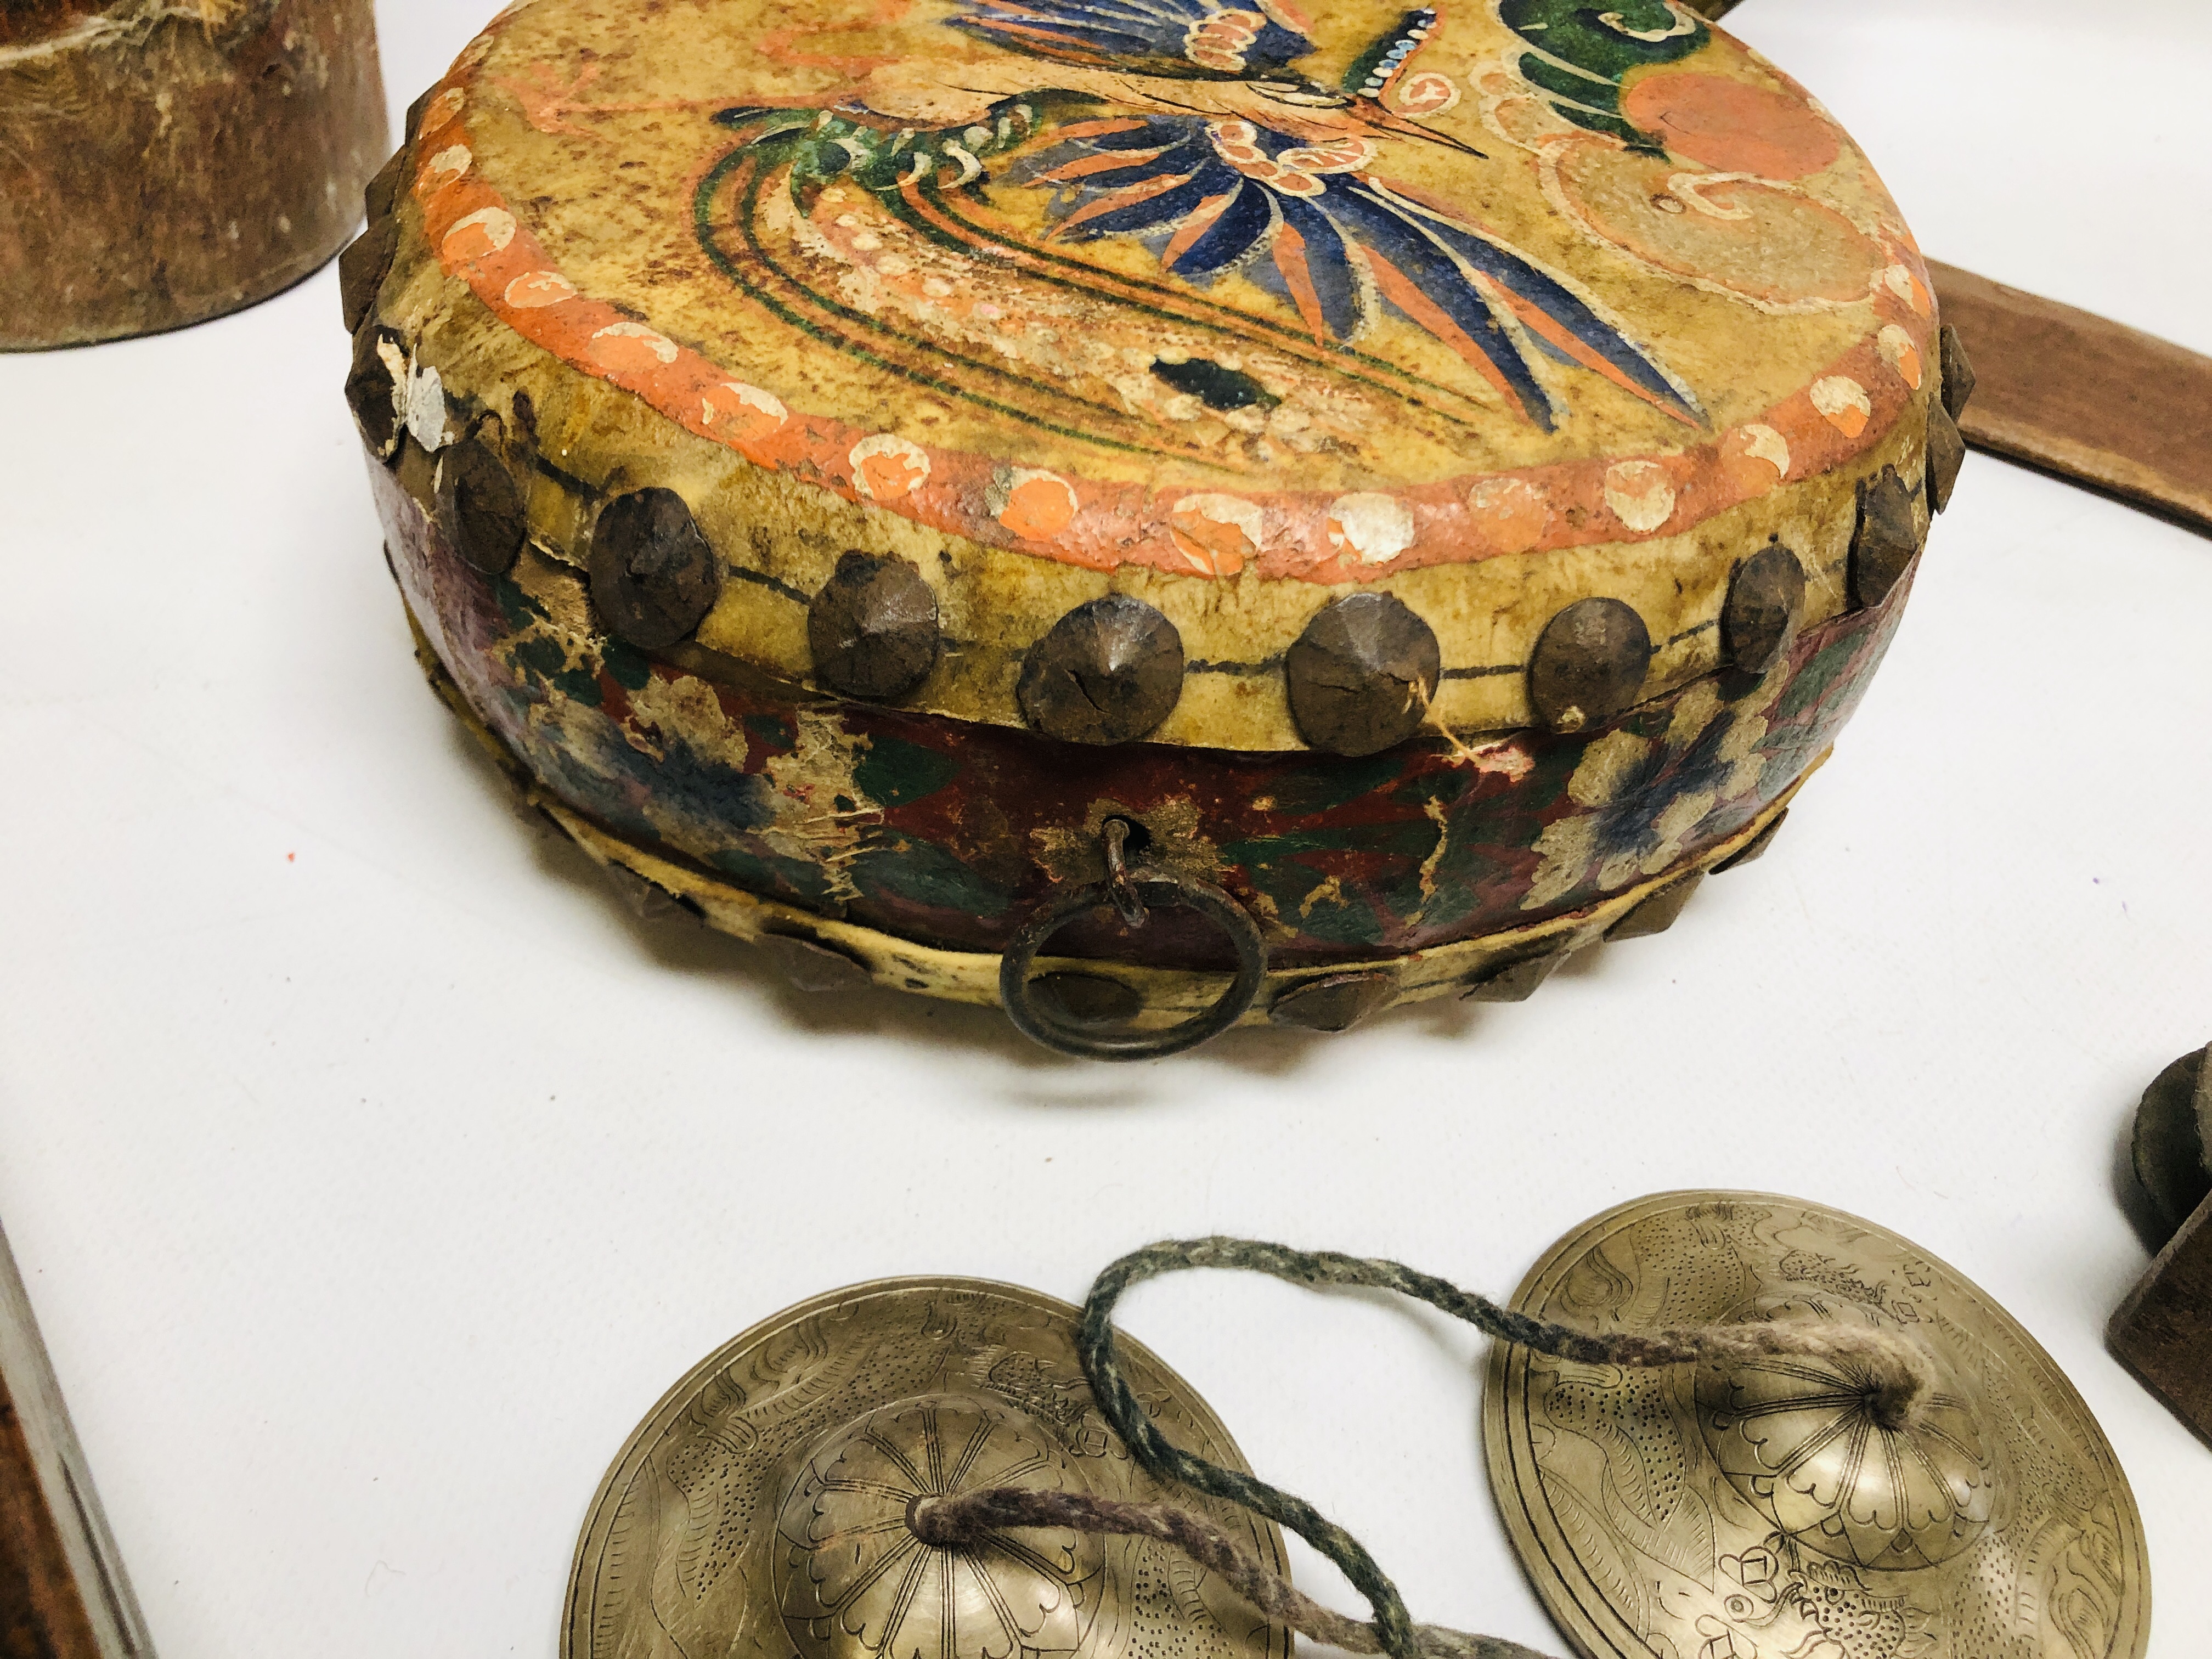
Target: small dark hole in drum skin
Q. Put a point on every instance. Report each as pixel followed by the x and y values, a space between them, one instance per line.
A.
pixel 1217 387
pixel 1138 839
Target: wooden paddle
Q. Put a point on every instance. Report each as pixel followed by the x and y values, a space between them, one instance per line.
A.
pixel 2090 400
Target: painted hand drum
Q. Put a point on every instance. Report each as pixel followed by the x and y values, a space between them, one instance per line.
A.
pixel 1155 513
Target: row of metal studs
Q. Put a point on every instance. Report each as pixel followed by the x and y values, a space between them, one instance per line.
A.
pixel 1361 677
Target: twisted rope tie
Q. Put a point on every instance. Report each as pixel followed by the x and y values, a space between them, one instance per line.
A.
pixel 1898 1376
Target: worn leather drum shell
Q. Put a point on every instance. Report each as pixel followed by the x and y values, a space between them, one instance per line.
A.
pixel 947 832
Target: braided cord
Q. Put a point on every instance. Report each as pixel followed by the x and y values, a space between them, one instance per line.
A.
pixel 1898 1379
pixel 1101 1363
pixel 972 1519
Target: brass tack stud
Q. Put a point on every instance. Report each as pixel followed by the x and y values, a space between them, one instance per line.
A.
pixel 810 965
pixel 1108 671
pixel 1660 912
pixel 381 195
pixel 873 627
pixel 1755 848
pixel 1588 666
pixel 1514 982
pixel 1885 540
pixel 1958 372
pixel 411 122
pixel 1766 607
pixel 653 577
pixel 363 267
pixel 648 901
pixel 372 394
pixel 1336 1002
pixel 2168 1147
pixel 1947 453
pixel 1362 676
pixel 479 506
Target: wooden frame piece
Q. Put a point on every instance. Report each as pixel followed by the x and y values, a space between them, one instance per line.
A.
pixel 63 1592
pixel 2163 1331
pixel 2102 404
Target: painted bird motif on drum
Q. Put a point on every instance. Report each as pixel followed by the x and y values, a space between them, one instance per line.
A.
pixel 1186 125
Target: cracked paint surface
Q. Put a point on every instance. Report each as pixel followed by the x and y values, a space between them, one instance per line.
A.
pixel 949 833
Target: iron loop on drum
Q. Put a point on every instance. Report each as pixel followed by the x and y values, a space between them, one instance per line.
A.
pixel 1121 882
pixel 1147 887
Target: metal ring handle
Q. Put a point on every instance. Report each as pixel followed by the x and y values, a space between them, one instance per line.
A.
pixel 1152 887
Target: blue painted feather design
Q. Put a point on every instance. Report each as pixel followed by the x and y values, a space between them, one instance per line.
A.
pixel 1341 245
pixel 1268 176
pixel 1181 38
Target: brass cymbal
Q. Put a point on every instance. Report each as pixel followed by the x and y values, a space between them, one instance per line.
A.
pixel 761 1509
pixel 1695 1515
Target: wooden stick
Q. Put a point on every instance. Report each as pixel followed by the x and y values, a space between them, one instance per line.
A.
pixel 62 1593
pixel 2105 405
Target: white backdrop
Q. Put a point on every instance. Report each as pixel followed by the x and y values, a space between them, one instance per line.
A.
pixel 373 1172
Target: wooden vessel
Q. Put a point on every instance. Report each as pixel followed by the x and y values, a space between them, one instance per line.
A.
pixel 165 161
pixel 1384 501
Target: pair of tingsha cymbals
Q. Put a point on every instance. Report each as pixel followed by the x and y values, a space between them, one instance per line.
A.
pixel 1764 1506
pixel 1432 483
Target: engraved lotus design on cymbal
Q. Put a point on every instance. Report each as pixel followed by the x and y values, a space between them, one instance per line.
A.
pixel 856 1583
pixel 1772 1510
pixel 759 1512
pixel 1806 1443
